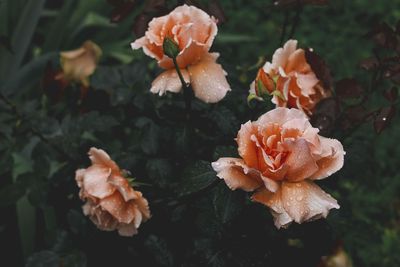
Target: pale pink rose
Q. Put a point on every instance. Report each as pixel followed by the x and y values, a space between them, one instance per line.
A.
pixel 79 64
pixel 281 156
pixel 111 203
pixel 291 77
pixel 194 32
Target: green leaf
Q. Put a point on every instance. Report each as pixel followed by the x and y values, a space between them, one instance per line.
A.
pixel 160 251
pixel 159 171
pixel 11 193
pixel 150 135
pixel 43 258
pixel 227 204
pixel 21 37
pixel 196 177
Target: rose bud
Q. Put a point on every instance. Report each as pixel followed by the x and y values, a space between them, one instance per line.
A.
pixel 79 64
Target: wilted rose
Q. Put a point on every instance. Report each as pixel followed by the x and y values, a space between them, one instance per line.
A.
pixel 281 156
pixel 79 64
pixel 111 203
pixel 193 31
pixel 290 80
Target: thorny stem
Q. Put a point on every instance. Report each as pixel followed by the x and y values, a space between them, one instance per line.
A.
pixel 35 132
pixel 186 89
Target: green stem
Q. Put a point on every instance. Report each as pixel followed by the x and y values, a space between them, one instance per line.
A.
pixel 186 89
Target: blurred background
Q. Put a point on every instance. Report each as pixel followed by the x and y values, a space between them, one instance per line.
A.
pixel 48 124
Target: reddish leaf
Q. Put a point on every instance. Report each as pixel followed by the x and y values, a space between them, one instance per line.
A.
pixel 156 6
pixel 121 11
pixel 319 67
pixel 53 83
pixel 392 94
pixel 325 114
pixel 383 35
pixel 140 24
pixel 115 2
pixel 383 118
pixel 215 9
pixel 294 3
pixel 369 63
pixel 348 88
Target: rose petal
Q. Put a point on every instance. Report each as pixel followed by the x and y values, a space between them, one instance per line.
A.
pixel 332 158
pixel 95 181
pixel 300 160
pixel 246 147
pixel 231 170
pixel 305 201
pixel 208 79
pixel 127 229
pixel 123 211
pixel 123 187
pixel 281 55
pixel 273 201
pixel 279 116
pixel 100 157
pixel 169 81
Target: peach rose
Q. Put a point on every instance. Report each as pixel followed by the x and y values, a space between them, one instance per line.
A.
pixel 111 203
pixel 290 79
pixel 79 64
pixel 193 31
pixel 281 156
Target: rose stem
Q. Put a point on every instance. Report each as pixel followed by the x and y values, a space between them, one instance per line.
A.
pixel 186 89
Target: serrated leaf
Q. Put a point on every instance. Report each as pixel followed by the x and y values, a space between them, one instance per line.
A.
pixel 45 258
pixel 227 203
pixel 196 177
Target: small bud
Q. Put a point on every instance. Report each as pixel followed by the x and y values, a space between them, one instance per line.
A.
pixel 264 84
pixel 170 47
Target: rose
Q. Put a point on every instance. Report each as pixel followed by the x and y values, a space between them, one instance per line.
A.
pixel 193 31
pixel 281 155
pixel 290 79
pixel 111 203
pixel 79 64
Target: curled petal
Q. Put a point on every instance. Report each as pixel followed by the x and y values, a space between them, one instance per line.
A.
pixel 246 147
pixel 123 186
pixel 95 182
pixel 273 201
pixel 306 201
pixel 300 160
pixel 127 229
pixel 332 158
pixel 123 211
pixel 298 202
pixel 208 79
pixel 100 157
pixel 279 116
pixel 236 175
pixel 169 81
pixel 281 55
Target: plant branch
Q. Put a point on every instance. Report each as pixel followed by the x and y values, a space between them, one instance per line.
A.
pixel 296 20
